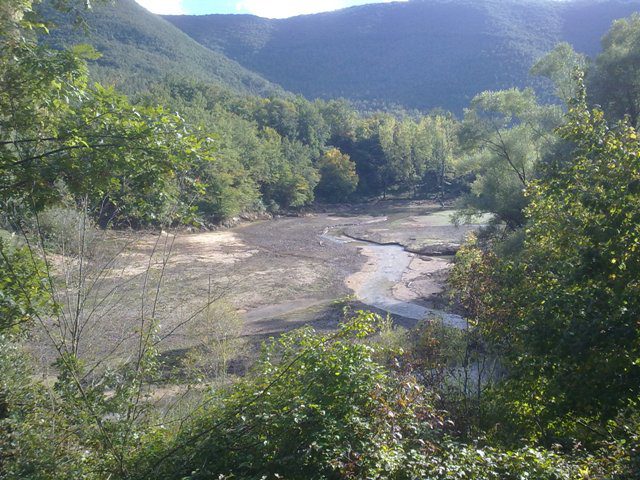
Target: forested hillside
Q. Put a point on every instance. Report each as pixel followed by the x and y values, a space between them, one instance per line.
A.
pixel 420 54
pixel 139 48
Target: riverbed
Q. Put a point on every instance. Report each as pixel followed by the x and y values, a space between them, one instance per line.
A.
pixel 271 276
pixel 383 275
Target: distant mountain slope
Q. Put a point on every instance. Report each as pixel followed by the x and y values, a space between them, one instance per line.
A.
pixel 139 47
pixel 421 53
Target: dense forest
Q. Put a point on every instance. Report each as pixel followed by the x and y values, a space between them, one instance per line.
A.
pixel 549 286
pixel 441 52
pixel 138 47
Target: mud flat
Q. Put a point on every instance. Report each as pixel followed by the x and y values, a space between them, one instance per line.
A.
pixel 273 275
pixel 385 283
pixel 409 252
pixel 400 282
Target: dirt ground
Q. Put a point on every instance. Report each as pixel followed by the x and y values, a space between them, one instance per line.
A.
pixel 263 278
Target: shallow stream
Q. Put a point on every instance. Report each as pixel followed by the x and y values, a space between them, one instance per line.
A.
pixel 385 268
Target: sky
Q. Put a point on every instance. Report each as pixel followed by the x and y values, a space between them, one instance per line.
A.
pixel 262 8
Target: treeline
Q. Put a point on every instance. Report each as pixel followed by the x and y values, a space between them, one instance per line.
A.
pixel 291 151
pixel 221 156
pixel 283 146
pixel 232 154
pixel 240 154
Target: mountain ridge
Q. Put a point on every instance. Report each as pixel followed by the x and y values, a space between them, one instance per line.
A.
pixel 419 54
pixel 140 48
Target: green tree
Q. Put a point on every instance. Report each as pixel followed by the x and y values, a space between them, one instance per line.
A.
pixel 341 119
pixel 338 177
pixel 436 145
pixel 564 311
pixel 290 176
pixel 614 81
pixel 582 239
pixel 560 66
pixel 23 288
pixel 360 140
pixel 505 135
pixel 401 168
pixel 313 130
pixel 131 163
pixel 278 114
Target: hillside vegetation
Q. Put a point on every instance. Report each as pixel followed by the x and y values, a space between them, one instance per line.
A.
pixel 419 54
pixel 139 48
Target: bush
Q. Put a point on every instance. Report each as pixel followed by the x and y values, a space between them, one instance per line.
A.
pixel 66 230
pixel 469 462
pixel 321 407
pixel 23 289
pixel 317 407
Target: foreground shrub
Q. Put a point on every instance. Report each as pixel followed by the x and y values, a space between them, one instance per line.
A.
pixel 317 407
pixel 320 407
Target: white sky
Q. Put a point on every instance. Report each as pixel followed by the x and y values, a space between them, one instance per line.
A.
pixel 287 8
pixel 262 8
pixel 163 7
